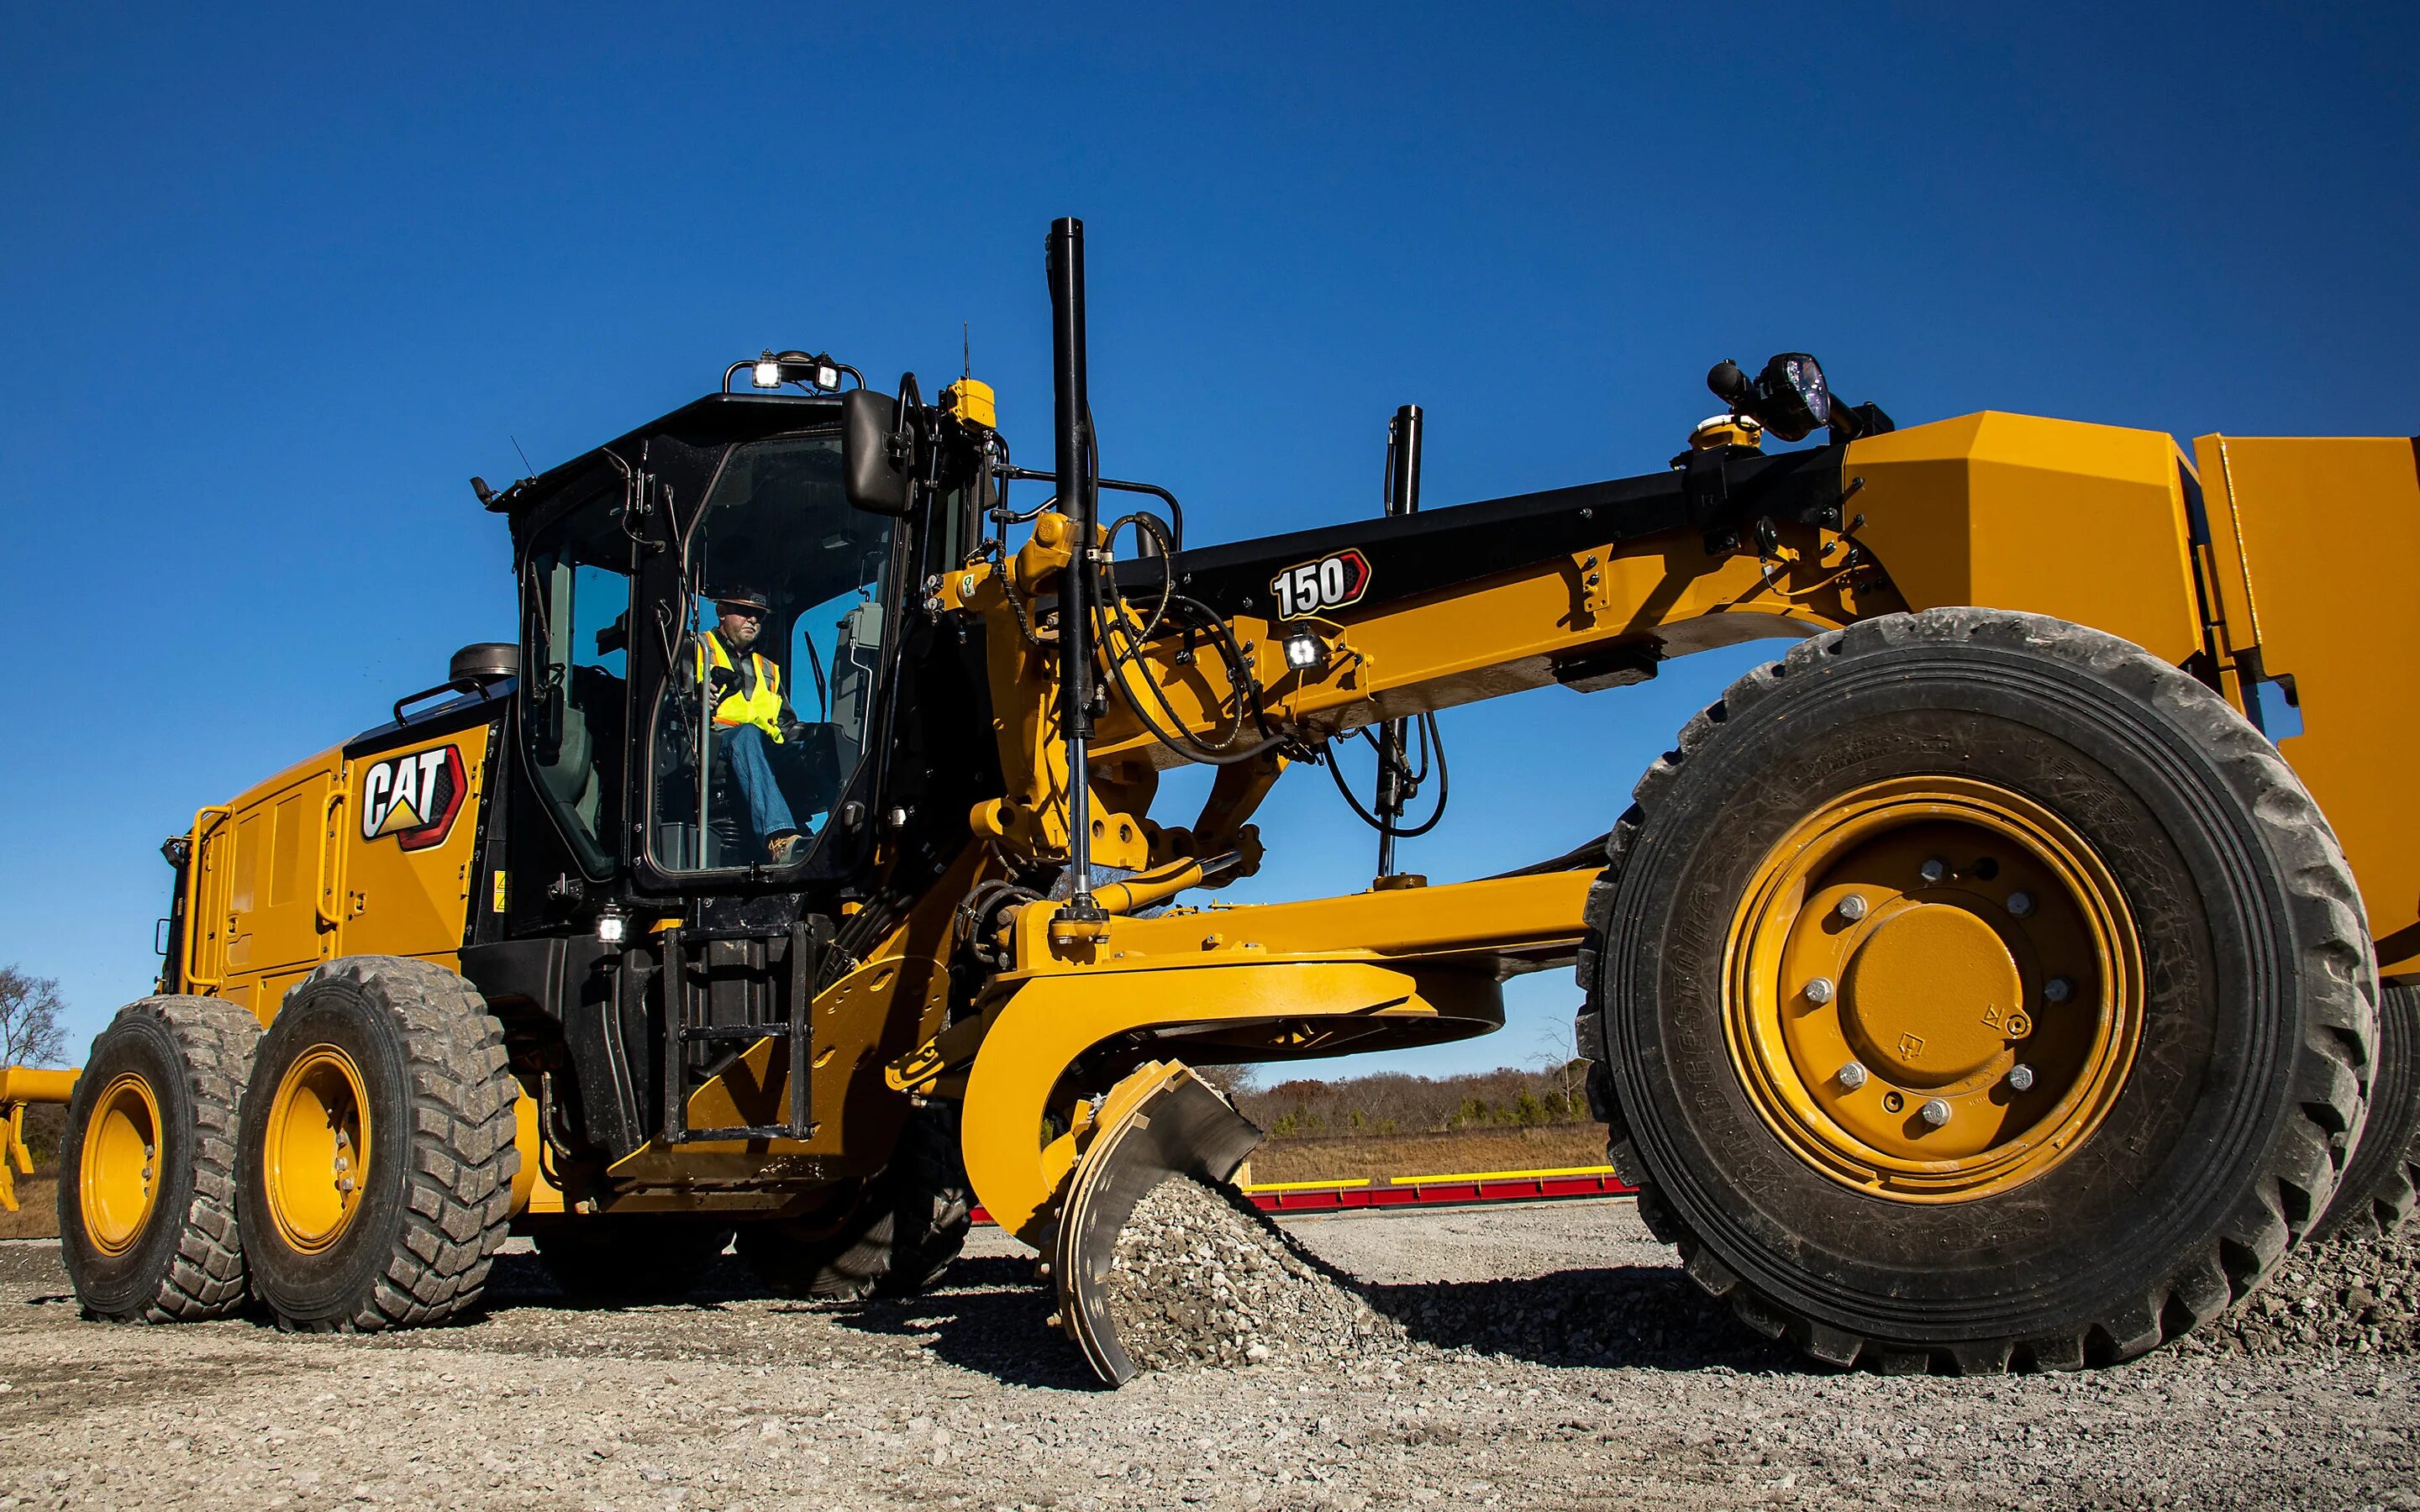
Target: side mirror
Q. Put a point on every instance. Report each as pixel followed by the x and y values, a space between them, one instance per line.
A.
pixel 874 457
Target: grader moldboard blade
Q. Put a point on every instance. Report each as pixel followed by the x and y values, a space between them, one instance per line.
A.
pixel 1180 1127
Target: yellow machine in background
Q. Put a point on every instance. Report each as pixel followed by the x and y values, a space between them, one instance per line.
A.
pixel 1983 981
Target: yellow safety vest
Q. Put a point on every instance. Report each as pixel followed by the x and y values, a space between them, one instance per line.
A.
pixel 761 708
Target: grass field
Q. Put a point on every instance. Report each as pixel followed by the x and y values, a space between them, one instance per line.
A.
pixel 1353 1159
pixel 38 1209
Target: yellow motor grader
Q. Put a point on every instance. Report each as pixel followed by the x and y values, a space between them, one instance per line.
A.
pixel 1993 978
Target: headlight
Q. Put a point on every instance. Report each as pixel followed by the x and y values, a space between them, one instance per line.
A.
pixel 1303 651
pixel 1791 399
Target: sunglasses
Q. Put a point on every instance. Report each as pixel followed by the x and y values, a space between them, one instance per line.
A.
pixel 741 611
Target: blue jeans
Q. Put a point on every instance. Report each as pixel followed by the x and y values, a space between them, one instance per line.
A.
pixel 750 752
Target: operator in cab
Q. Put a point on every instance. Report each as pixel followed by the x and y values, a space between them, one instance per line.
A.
pixel 751 714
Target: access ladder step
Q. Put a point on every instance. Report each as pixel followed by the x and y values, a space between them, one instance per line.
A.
pixel 678 1035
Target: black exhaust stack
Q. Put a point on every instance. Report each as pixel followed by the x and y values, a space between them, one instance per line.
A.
pixel 1079 501
pixel 1403 498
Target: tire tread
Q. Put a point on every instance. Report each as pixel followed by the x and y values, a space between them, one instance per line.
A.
pixel 2334 1081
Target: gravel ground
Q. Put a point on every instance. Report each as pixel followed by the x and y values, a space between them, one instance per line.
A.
pixel 1553 1357
pixel 2353 1294
pixel 1202 1278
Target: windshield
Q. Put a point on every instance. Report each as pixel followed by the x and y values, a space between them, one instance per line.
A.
pixel 767 713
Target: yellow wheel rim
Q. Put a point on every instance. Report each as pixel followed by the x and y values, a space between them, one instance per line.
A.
pixel 1934 989
pixel 118 1177
pixel 316 1156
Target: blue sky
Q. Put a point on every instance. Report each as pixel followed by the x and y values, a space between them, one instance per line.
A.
pixel 278 283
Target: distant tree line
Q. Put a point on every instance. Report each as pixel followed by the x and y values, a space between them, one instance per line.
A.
pixel 1391 1102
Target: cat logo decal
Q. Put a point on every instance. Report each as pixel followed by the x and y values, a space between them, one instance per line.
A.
pixel 414 797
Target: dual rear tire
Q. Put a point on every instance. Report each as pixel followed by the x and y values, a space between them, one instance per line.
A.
pixel 351 1167
pixel 147 1166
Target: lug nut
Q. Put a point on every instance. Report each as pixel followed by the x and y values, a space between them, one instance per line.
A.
pixel 344 1183
pixel 2021 903
pixel 1934 871
pixel 1819 991
pixel 1934 1112
pixel 1853 907
pixel 2021 1078
pixel 2057 990
pixel 1851 1077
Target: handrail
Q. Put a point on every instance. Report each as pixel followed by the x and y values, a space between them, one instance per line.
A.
pixel 190 975
pixel 330 874
pixel 451 684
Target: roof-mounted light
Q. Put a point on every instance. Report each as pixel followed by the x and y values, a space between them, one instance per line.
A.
pixel 812 371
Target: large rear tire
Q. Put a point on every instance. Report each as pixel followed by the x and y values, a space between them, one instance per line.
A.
pixel 2075 869
pixel 2382 1183
pixel 146 1192
pixel 897 1238
pixel 376 1162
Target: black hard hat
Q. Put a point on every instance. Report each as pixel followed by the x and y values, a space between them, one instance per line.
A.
pixel 743 593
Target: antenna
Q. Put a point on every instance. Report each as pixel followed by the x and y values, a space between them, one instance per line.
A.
pixel 527 471
pixel 966 352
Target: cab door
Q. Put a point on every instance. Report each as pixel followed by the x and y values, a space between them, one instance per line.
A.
pixel 259 895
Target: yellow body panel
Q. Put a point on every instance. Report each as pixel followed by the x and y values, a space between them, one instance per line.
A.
pixel 397 897
pixel 2290 522
pixel 260 869
pixel 329 858
pixel 2051 517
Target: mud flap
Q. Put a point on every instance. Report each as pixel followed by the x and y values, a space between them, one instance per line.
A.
pixel 1162 1121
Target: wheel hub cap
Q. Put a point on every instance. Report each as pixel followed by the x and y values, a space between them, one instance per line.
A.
pixel 317 1150
pixel 1928 990
pixel 119 1176
pixel 1934 989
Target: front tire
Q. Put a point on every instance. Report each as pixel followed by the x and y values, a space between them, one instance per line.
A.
pixel 897 1238
pixel 2012 799
pixel 376 1160
pixel 148 1199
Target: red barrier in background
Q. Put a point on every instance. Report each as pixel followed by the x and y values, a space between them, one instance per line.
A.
pixel 1429 1191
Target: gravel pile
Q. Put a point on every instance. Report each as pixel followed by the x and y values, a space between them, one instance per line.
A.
pixel 2359 1294
pixel 1202 1278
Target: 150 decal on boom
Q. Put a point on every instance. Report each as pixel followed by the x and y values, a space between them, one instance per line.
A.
pixel 1331 582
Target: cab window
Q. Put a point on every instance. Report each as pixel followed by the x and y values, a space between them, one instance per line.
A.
pixel 576 597
pixel 765 716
